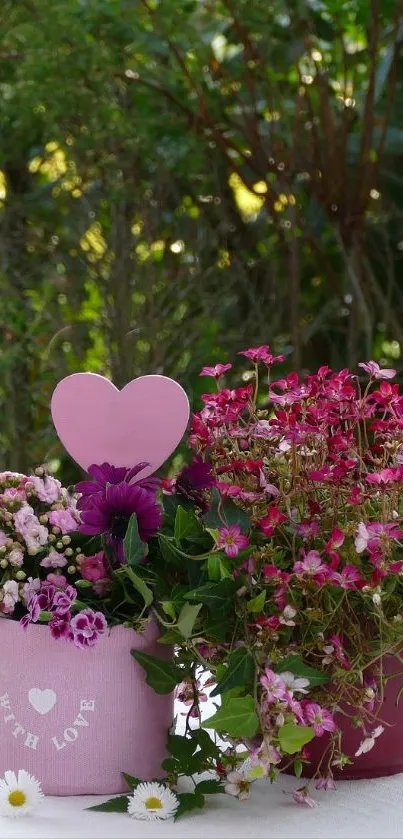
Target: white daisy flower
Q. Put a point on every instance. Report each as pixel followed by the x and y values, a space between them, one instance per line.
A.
pixel 19 793
pixel 152 802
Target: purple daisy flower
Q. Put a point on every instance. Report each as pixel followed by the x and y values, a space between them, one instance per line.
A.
pixel 111 509
pixel 106 474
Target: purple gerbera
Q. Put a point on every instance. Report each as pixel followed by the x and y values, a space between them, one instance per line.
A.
pixel 105 474
pixel 111 509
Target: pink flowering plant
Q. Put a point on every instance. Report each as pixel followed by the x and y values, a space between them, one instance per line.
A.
pixel 283 546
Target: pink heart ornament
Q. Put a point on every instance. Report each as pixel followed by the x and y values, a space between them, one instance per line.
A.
pixel 143 422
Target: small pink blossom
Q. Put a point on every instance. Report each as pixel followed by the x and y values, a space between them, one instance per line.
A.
pixel 320 718
pixel 10 596
pixel 64 520
pixel 347 578
pixel 232 540
pixel 217 371
pixel 54 560
pixel 60 625
pixel 313 566
pixel 261 354
pixel 31 587
pixel 3 539
pixel 274 685
pixel 46 488
pixel 57 580
pixel 16 558
pixel 94 567
pixel 325 783
pixel 376 372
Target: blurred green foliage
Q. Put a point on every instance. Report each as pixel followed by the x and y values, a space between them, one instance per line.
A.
pixel 182 178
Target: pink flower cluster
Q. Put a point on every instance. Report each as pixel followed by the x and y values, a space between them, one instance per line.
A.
pixel 83 629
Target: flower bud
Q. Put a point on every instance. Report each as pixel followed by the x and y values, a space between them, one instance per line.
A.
pixel 59 546
pixel 3 550
pixel 69 552
pixel 43 519
pixel 51 537
pixel 66 540
pixel 39 471
pixel 20 575
pixel 3 563
pixel 32 551
pixel 71 569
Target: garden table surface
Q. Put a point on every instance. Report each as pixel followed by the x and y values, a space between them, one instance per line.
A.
pixel 367 809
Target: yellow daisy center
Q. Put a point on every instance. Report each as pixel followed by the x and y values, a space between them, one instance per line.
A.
pixel 17 798
pixel 153 803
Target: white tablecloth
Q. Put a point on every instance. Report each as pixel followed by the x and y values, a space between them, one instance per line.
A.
pixel 357 810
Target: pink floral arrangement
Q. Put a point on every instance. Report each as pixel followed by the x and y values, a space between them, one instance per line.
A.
pixel 273 562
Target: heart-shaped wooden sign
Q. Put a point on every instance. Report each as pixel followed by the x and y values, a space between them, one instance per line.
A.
pixel 96 422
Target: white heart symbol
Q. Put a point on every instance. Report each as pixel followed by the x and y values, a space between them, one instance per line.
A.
pixel 42 700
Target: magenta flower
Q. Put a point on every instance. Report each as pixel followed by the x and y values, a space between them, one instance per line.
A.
pixel 193 480
pixel 111 509
pixel 312 565
pixel 86 627
pixel 60 625
pixel 62 600
pixel 94 568
pixel 376 372
pixel 261 354
pixel 232 540
pixel 274 685
pixel 106 474
pixel 320 718
pixel 347 578
pixel 217 371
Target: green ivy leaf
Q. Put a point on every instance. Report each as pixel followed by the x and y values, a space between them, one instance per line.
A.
pixel 257 603
pixel 135 550
pixel 240 671
pixel 218 567
pixel 215 595
pixel 295 665
pixel 162 676
pixel 189 801
pixel 171 555
pixel 206 744
pixel 185 524
pixel 298 767
pixel 180 746
pixel 224 512
pixel 114 805
pixel 44 617
pixel 238 717
pixel 187 618
pixel 293 737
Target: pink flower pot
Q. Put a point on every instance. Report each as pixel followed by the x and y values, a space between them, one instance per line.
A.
pixel 386 757
pixel 76 719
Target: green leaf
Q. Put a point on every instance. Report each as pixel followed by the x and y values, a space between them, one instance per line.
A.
pixel 293 737
pixel 224 512
pixel 169 609
pixel 140 586
pixel 171 636
pixel 171 555
pixel 218 567
pixel 131 781
pixel 189 801
pixel 162 676
pixel 180 746
pixel 44 617
pixel 298 767
pixel 83 584
pixel 295 665
pixel 215 595
pixel 209 787
pixel 238 718
pixel 135 550
pixel 257 603
pixel 185 524
pixel 206 744
pixel 114 805
pixel 240 671
pixel 187 618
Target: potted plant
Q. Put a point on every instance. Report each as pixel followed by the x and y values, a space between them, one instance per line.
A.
pixel 284 539
pixel 75 708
